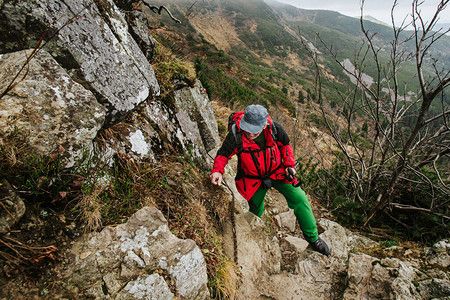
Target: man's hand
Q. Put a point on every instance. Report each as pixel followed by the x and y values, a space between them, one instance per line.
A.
pixel 290 172
pixel 216 178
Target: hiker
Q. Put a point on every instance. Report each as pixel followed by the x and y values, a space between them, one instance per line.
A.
pixel 265 160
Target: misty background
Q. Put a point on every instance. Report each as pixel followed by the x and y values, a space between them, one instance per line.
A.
pixel 378 9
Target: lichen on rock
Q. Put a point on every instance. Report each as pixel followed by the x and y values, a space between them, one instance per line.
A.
pixel 48 106
pixel 131 254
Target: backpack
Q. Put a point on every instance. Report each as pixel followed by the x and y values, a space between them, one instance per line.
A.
pixel 232 119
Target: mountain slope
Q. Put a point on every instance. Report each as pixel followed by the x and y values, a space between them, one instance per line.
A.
pixel 347 29
pixel 266 61
pixel 263 41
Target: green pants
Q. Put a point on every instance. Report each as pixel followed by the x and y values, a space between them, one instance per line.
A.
pixel 297 200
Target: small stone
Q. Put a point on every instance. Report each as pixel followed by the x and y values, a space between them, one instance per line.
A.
pixel 85 254
pixel 287 219
pixel 298 244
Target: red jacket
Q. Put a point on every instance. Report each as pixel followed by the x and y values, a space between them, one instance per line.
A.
pixel 256 163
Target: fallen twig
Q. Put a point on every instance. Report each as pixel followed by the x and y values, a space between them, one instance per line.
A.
pixel 4 207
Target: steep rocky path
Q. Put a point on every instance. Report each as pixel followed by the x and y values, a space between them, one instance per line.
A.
pixel 275 261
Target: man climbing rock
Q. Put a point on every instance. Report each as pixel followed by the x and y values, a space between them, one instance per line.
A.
pixel 265 160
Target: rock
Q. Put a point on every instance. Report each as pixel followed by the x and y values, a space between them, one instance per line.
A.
pixel 389 278
pixel 241 204
pixel 313 267
pixel 340 240
pixel 298 244
pixel 154 130
pixel 125 260
pixel 12 208
pixel 336 237
pixel 287 219
pixel 442 246
pixel 92 38
pixel 255 222
pixel 258 253
pixel 195 103
pixel 439 254
pixel 146 287
pixel 434 289
pixel 139 30
pixel 59 115
pixel 402 286
pixel 158 129
pixel 359 274
pixel 393 249
pixel 272 255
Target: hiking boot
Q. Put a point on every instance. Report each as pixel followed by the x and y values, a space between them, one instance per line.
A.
pixel 321 247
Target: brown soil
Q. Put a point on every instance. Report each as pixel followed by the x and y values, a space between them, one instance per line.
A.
pixel 34 246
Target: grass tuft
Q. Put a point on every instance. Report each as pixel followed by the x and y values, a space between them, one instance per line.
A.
pixel 169 68
pixel 225 280
pixel 13 151
pixel 90 207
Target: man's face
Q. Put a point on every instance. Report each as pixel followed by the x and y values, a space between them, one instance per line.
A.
pixel 252 136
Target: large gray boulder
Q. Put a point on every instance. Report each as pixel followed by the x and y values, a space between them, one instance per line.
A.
pixel 92 40
pixel 139 30
pixel 140 259
pixel 159 128
pixel 90 37
pixel 57 114
pixel 194 102
pixel 371 278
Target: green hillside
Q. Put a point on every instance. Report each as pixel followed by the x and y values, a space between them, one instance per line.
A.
pixel 264 35
pixel 344 35
pixel 253 52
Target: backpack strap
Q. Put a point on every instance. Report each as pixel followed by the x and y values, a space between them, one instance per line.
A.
pixel 274 132
pixel 231 122
pixel 238 137
pixel 240 146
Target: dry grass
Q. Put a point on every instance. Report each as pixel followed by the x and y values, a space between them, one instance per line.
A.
pixel 90 208
pixel 226 280
pixel 14 149
pixel 104 196
pixel 217 29
pixel 169 68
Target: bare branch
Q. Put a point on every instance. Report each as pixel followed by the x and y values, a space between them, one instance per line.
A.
pixel 36 49
pixel 158 10
pixel 441 86
pixel 436 117
pixel 409 138
pixel 413 208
